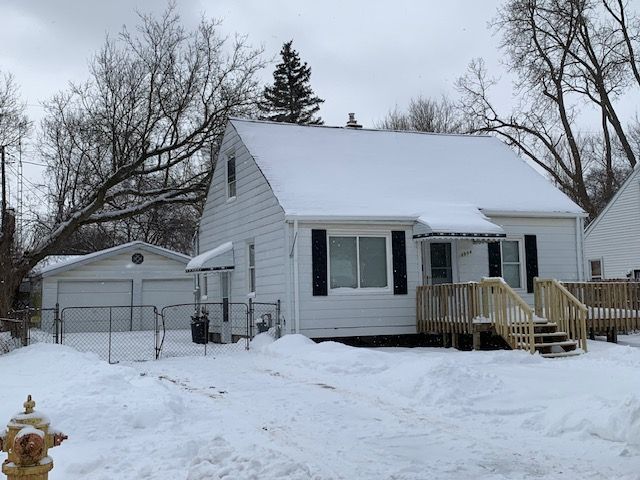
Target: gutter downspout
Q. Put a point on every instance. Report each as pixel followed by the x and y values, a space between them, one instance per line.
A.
pixel 580 247
pixel 296 283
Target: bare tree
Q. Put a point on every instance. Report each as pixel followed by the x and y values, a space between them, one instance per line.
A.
pixel 14 125
pixel 427 115
pixel 568 58
pixel 136 136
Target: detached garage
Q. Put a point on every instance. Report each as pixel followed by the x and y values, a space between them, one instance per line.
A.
pixel 131 274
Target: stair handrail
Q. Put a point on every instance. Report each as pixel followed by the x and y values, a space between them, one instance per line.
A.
pixel 559 305
pixel 511 315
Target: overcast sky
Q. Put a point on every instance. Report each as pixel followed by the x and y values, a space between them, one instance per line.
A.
pixel 366 56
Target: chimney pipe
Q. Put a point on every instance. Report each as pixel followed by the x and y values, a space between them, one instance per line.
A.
pixel 353 123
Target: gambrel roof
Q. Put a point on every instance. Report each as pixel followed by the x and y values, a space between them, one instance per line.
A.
pixel 443 181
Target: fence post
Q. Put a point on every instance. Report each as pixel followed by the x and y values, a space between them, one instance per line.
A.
pixel 109 334
pixel 250 314
pixel 57 324
pixel 157 332
pixel 25 328
pixel 279 327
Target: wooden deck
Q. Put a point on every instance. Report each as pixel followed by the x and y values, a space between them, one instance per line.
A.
pixel 556 327
pixel 612 306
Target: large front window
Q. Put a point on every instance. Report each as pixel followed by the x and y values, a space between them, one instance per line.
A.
pixel 358 261
pixel 511 263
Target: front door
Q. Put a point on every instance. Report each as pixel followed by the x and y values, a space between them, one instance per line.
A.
pixel 441 266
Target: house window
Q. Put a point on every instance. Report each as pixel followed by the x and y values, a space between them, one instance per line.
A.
pixel 358 261
pixel 511 266
pixel 596 269
pixel 251 274
pixel 225 286
pixel 231 175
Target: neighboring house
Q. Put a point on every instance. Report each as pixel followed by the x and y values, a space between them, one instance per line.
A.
pixel 342 224
pixel 612 240
pixel 135 273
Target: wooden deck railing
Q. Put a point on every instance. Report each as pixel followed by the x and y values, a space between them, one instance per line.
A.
pixel 510 314
pixel 557 304
pixel 610 305
pixel 452 308
pixel 448 308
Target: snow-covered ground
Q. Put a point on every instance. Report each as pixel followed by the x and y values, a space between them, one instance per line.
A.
pixel 296 410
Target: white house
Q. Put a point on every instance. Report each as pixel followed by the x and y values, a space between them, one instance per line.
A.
pixel 135 273
pixel 342 224
pixel 612 240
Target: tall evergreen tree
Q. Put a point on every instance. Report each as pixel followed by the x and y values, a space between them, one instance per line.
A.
pixel 290 98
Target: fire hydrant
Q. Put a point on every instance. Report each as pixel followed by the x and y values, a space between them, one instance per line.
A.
pixel 27 441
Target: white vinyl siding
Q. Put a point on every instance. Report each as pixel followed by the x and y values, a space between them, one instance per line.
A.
pixel 367 311
pixel 254 216
pixel 614 236
pixel 556 242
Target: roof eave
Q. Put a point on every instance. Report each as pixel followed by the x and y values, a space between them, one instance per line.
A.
pixel 532 214
pixel 109 252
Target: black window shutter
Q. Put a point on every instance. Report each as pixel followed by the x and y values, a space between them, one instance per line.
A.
pixel 531 260
pixel 399 252
pixel 495 260
pixel 319 261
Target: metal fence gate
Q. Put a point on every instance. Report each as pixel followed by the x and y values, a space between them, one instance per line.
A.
pixel 143 332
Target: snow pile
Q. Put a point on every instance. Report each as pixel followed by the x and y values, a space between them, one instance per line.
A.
pixel 218 459
pixel 295 409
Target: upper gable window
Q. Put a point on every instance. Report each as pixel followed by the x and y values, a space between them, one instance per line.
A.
pixel 231 175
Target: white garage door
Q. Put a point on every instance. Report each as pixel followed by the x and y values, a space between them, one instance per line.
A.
pixel 93 293
pixel 165 292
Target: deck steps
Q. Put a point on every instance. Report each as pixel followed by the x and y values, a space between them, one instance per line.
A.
pixel 551 342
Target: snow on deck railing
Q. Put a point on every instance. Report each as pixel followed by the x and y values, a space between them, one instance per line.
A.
pixel 456 307
pixel 610 305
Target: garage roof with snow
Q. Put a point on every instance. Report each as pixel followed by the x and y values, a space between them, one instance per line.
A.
pixel 77 260
pixel 442 181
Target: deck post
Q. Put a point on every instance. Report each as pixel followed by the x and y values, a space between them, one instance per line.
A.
pixel 455 340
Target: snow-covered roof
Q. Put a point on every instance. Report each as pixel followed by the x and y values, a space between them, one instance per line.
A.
pixel 219 258
pixel 77 260
pixel 50 261
pixel 320 171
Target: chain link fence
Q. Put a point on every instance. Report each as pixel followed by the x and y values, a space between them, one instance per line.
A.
pixel 142 332
pixel 114 333
pixel 25 326
pixel 204 329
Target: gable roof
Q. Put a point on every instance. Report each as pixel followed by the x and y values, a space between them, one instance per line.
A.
pixel 441 180
pixel 79 260
pixel 612 202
